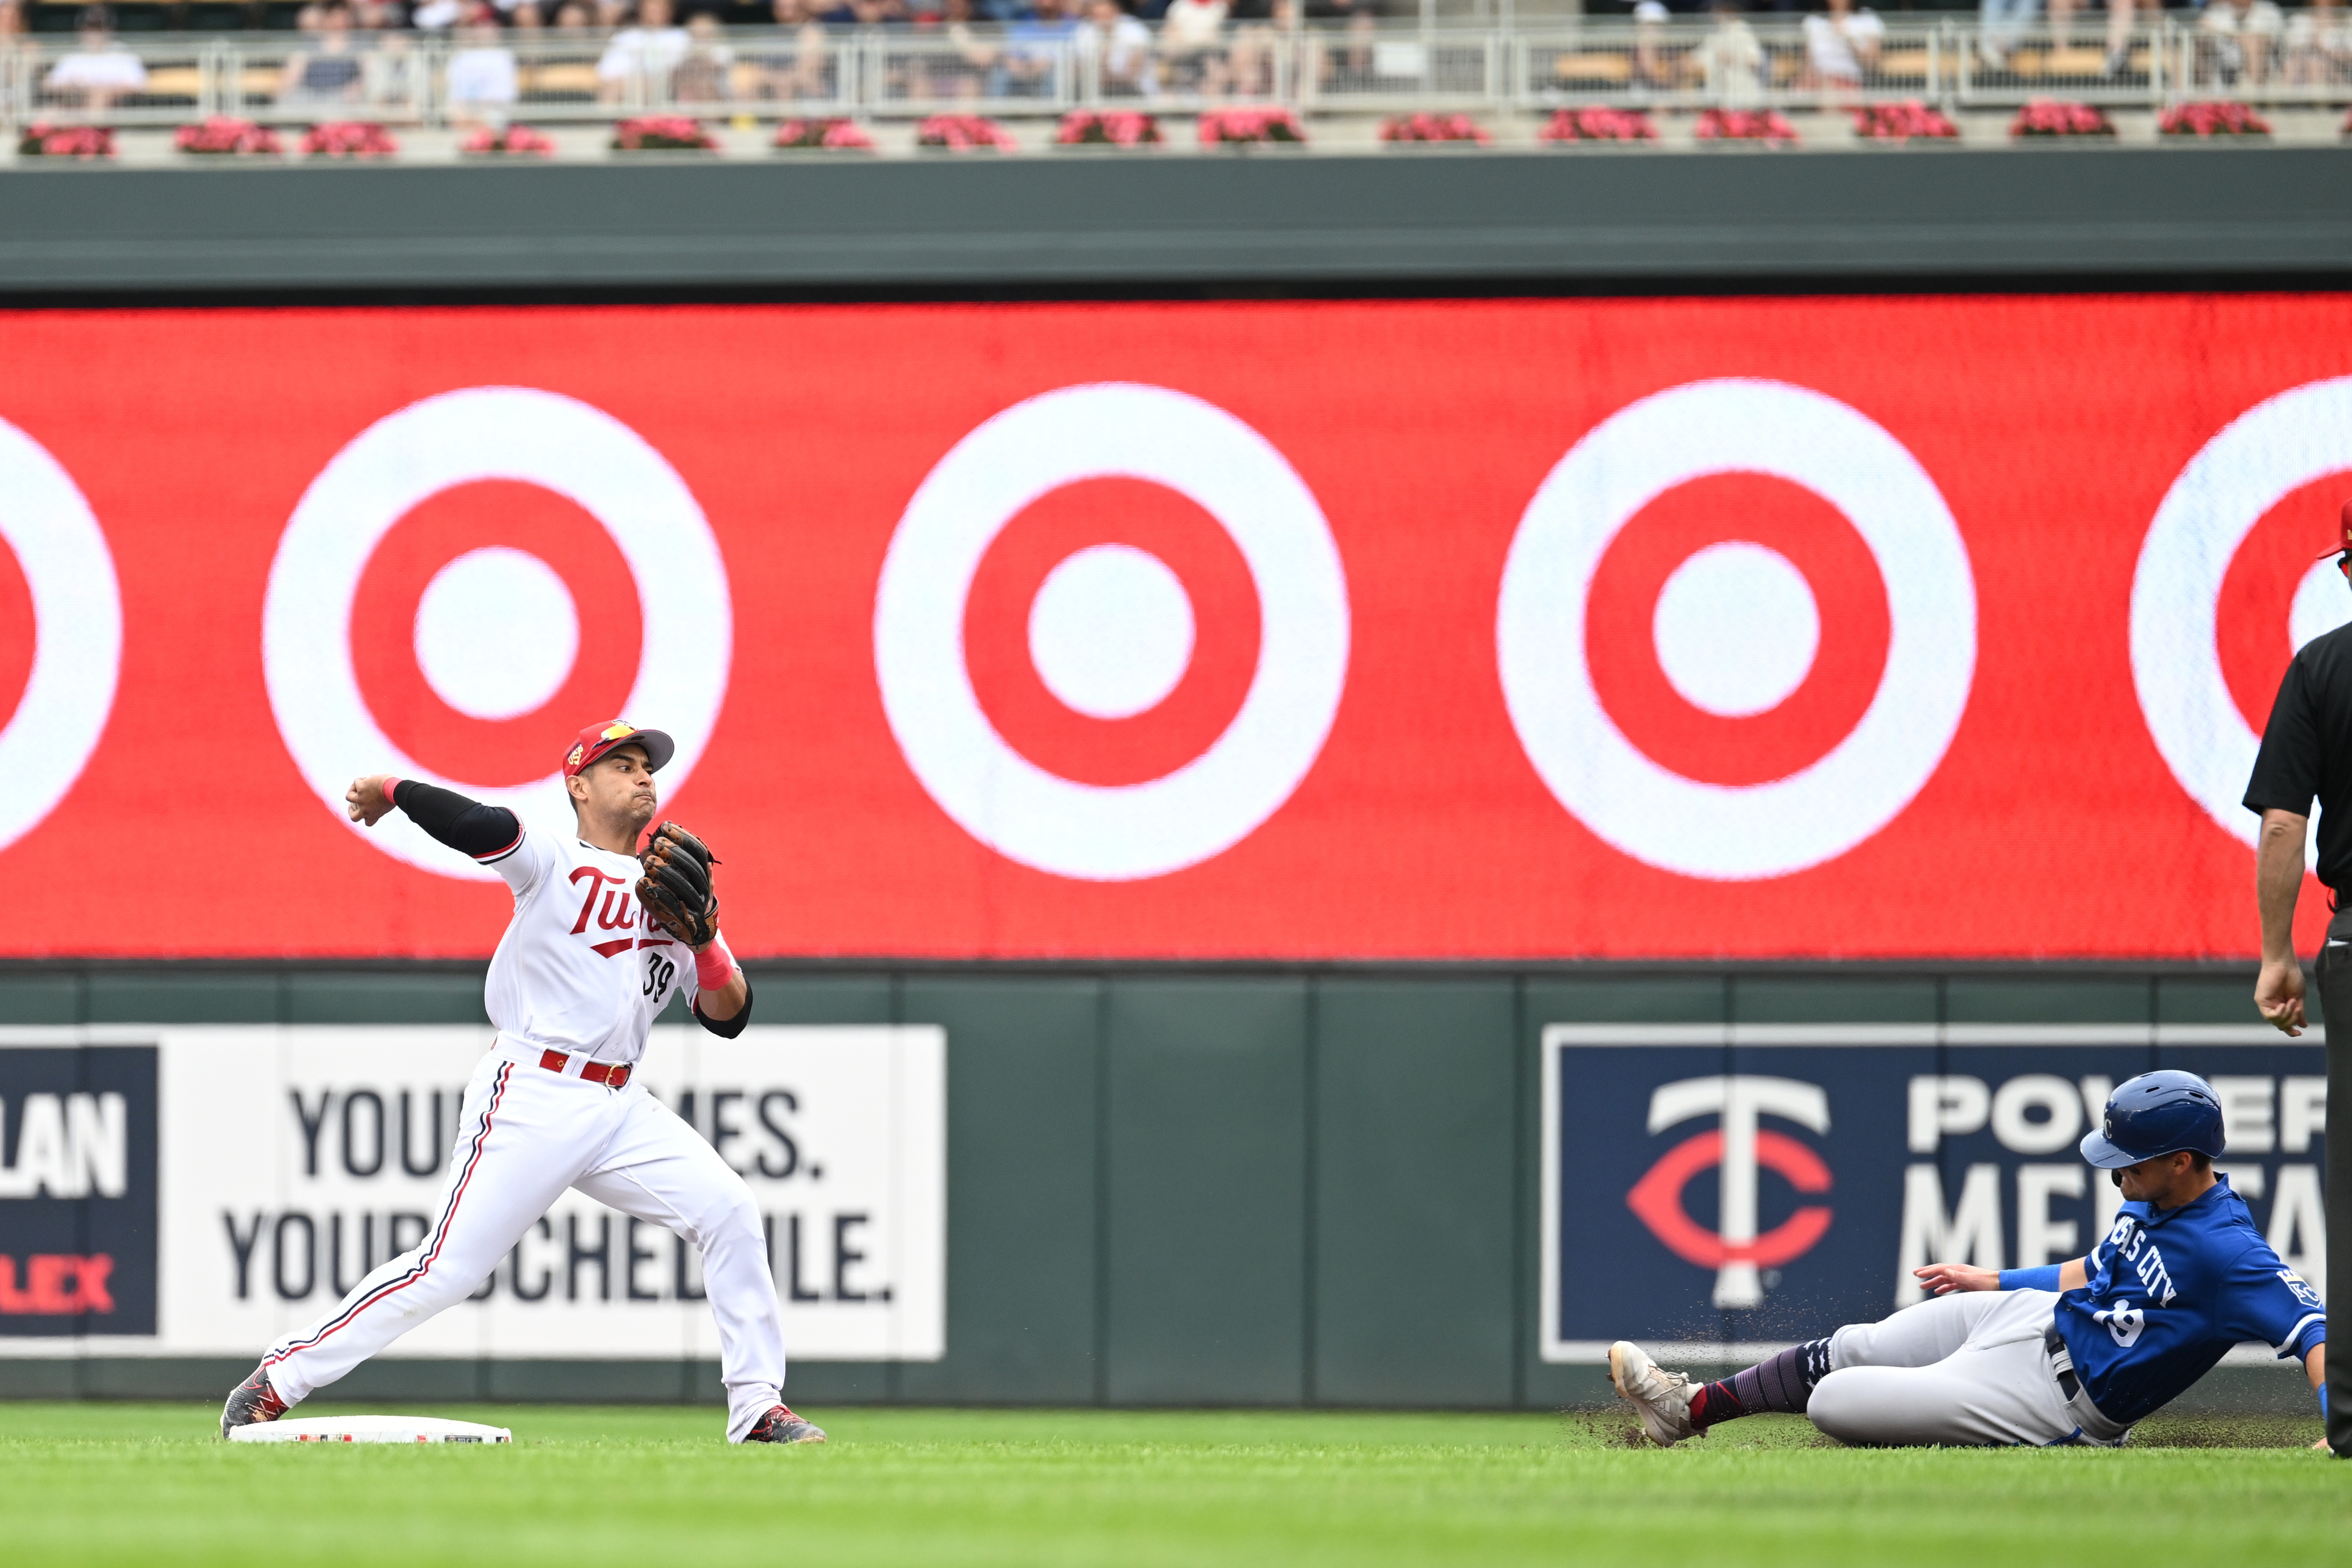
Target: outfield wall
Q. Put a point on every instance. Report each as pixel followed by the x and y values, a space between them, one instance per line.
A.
pixel 1325 1185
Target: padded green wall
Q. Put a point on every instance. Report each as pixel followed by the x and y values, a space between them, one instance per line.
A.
pixel 1176 1186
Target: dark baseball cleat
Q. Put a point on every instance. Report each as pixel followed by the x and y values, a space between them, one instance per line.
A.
pixel 781 1425
pixel 251 1401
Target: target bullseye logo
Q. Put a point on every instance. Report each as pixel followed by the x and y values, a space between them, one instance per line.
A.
pixel 1735 631
pixel 497 633
pixel 2195 546
pixel 1112 632
pixel 67 690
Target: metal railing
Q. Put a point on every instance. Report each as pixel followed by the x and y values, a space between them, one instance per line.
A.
pixel 772 73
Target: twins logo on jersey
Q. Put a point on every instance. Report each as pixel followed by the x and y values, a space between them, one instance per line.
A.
pixel 620 912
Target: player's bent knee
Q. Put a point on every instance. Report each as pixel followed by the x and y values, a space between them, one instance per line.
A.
pixel 1842 1406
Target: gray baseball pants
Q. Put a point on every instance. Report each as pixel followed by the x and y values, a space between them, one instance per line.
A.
pixel 1970 1369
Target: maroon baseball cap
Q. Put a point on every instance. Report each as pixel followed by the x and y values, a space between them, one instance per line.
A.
pixel 599 739
pixel 2344 549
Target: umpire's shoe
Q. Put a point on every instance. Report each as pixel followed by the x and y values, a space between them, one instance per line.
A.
pixel 781 1425
pixel 1663 1397
pixel 251 1401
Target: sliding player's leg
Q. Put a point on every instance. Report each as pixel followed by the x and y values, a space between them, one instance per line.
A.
pixel 521 1134
pixel 659 1169
pixel 1997 1394
pixel 1673 1406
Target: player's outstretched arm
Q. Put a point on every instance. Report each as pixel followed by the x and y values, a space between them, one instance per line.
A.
pixel 367 800
pixel 1943 1278
pixel 489 833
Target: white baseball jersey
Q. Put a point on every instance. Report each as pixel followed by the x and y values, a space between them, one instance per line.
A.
pixel 580 969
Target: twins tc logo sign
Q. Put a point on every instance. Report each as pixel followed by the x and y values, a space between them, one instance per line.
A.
pixel 1739 1146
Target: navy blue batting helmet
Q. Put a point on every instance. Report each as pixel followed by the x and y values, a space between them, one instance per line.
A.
pixel 2155 1113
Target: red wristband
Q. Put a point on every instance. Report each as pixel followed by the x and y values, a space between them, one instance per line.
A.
pixel 391 785
pixel 714 965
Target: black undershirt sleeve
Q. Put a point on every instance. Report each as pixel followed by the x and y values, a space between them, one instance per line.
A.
pixel 466 826
pixel 730 1027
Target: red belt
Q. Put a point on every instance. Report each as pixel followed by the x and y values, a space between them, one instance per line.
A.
pixel 594 1071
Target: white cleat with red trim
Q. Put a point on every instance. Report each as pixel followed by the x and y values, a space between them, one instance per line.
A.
pixel 1663 1397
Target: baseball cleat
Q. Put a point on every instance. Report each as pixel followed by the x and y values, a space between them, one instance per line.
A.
pixel 781 1425
pixel 1662 1397
pixel 250 1402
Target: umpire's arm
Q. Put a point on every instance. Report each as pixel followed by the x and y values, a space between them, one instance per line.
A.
pixel 2278 879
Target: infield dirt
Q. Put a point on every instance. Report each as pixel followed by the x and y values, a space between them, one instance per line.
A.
pixel 99 1483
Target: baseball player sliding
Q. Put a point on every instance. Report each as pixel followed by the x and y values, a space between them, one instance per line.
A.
pixel 2069 1353
pixel 602 938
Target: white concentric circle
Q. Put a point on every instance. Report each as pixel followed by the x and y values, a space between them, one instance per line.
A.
pixel 489 433
pixel 1110 632
pixel 1721 831
pixel 1098 832
pixel 497 634
pixel 2259 458
pixel 1736 629
pixel 77 633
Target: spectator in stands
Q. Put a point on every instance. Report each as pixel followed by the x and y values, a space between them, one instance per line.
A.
pixel 2236 40
pixel 865 14
pixel 707 74
pixel 970 63
pixel 793 67
pixel 1729 60
pixel 1841 47
pixel 1121 47
pixel 2318 45
pixel 2000 24
pixel 99 71
pixel 482 81
pixel 1261 26
pixel 641 56
pixel 393 72
pixel 1192 44
pixel 1649 67
pixel 573 21
pixel 1033 49
pixel 330 73
pixel 2119 34
pixel 1362 31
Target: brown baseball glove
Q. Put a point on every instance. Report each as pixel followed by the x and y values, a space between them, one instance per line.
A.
pixel 675 886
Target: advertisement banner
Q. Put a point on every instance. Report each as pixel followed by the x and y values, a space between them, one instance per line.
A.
pixel 205 1190
pixel 1705 628
pixel 1759 1186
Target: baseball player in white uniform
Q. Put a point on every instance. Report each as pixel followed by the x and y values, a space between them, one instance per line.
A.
pixel 600 942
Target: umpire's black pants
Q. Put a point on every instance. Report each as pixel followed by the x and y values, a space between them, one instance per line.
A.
pixel 2335 1007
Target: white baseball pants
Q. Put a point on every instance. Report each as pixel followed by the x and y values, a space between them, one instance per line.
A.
pixel 1967 1369
pixel 524 1135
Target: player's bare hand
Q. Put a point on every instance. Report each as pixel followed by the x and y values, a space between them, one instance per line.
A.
pixel 1943 1278
pixel 365 801
pixel 2278 992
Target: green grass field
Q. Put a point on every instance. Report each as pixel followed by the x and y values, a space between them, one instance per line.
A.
pixel 85 1484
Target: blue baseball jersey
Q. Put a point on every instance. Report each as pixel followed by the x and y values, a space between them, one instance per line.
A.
pixel 2171 1292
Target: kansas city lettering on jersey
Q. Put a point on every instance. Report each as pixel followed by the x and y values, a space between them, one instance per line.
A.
pixel 618 910
pixel 2134 1247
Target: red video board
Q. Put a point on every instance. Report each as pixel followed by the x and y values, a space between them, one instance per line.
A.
pixel 1879 628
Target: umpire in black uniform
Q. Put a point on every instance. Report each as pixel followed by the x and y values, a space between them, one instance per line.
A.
pixel 2306 752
